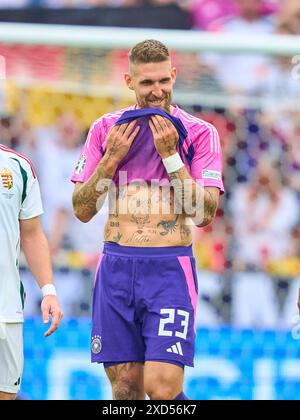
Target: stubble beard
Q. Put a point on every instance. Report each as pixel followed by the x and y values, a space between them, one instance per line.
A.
pixel 164 105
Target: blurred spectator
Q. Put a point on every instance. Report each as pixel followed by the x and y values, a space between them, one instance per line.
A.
pixel 114 3
pixel 279 82
pixel 292 148
pixel 57 149
pixel 163 2
pixel 194 74
pixel 212 245
pixel 7 132
pixel 264 214
pixel 57 4
pixel 242 72
pixel 16 133
pixel 205 12
pixel 124 3
pixel 14 4
pixel 90 3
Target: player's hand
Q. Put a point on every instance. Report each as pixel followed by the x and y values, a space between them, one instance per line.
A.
pixel 50 307
pixel 299 301
pixel 120 139
pixel 165 136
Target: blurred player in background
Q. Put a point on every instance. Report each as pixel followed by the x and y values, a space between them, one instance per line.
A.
pixel 146 286
pixel 20 208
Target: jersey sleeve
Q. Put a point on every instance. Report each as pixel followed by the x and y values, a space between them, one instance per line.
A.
pixel 206 167
pixel 91 154
pixel 32 204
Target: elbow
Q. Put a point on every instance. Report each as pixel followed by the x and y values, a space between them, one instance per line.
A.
pixel 82 217
pixel 78 211
pixel 205 222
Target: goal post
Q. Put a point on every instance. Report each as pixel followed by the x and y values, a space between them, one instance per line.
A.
pixel 115 37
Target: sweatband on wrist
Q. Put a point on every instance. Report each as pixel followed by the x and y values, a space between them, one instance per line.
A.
pixel 48 289
pixel 173 163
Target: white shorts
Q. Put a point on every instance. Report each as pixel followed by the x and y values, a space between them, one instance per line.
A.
pixel 11 357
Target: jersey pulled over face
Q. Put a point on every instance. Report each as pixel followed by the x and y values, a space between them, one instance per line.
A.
pixel 145 215
pixel 19 200
pixel 200 151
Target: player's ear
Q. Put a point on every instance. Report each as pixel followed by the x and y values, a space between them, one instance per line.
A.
pixel 128 80
pixel 174 74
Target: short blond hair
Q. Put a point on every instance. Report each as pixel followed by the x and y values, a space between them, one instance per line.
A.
pixel 149 51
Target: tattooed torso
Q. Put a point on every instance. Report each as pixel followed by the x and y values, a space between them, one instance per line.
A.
pixel 145 217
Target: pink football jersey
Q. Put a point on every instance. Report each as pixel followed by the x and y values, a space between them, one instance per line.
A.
pixel 200 152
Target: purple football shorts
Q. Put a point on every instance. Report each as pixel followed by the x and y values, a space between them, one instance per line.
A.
pixel 144 305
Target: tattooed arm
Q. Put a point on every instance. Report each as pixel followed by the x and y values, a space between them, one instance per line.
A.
pixel 191 199
pixel 88 198
pixel 197 202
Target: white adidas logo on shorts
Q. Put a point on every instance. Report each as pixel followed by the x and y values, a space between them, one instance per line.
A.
pixel 176 348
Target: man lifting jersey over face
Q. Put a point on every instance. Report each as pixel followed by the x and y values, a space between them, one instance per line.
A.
pixel 162 171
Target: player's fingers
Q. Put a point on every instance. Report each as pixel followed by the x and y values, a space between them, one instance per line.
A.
pixel 162 126
pixel 114 129
pixel 162 121
pixel 134 134
pixel 153 128
pixel 56 317
pixel 130 128
pixel 168 123
pixel 123 128
pixel 46 316
pixel 54 324
pixel 60 316
pixel 48 332
pixel 156 123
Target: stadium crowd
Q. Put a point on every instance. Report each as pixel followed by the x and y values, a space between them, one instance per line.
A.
pixel 251 253
pixel 205 14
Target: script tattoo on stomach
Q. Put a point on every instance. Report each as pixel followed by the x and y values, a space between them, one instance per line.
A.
pixel 139 238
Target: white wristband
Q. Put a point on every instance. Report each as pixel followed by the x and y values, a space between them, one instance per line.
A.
pixel 48 289
pixel 173 163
